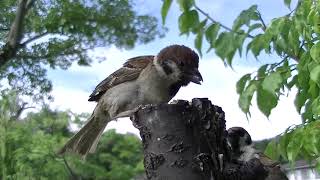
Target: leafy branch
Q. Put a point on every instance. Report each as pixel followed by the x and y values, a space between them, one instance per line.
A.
pixel 217 22
pixel 34 38
pixel 264 27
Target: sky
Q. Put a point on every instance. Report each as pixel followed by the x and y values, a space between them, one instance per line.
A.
pixel 71 88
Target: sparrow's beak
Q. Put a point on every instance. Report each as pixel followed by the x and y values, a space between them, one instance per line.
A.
pixel 194 76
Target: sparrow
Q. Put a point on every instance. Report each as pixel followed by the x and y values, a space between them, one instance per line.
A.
pixel 142 80
pixel 242 149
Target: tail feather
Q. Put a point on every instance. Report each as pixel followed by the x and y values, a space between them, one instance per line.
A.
pixel 86 139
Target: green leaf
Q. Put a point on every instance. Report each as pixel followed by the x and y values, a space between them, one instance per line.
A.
pixel 242 82
pixel 277 25
pixel 254 26
pixel 246 96
pixel 266 101
pixel 315 52
pixel 273 82
pixel 225 46
pixel 287 3
pixel 185 5
pixel 200 27
pixel 283 143
pixel 188 20
pixel 300 99
pixel 271 150
pixel 307 114
pixel 293 39
pixel 239 40
pixel 257 45
pixel 303 77
pixel 316 106
pixel 293 82
pixel 198 42
pixel 313 89
pixel 318 164
pixel 164 10
pixel 245 17
pixel 316 22
pixel 262 71
pixel 315 75
pixel 285 71
pixel 294 147
pixel 211 34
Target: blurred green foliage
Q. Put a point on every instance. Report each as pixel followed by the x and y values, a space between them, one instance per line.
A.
pixel 58 33
pixel 28 147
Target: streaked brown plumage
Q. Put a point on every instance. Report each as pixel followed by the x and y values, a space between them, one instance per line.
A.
pixel 130 71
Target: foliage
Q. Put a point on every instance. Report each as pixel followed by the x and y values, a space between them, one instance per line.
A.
pixel 28 148
pixel 297 142
pixel 293 37
pixel 58 33
pixel 118 157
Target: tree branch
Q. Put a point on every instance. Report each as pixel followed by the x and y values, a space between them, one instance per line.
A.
pixel 216 22
pixel 16 32
pixel 34 38
pixel 22 108
pixel 30 3
pixel 73 175
pixel 33 57
pixel 262 21
pixel 292 56
pixel 16 29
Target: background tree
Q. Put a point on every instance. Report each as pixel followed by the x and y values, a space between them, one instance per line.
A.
pixel 117 157
pixel 28 147
pixel 39 34
pixel 294 38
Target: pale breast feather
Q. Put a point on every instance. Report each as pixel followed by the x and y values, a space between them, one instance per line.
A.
pixel 130 71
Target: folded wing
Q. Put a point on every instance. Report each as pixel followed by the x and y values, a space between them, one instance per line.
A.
pixel 130 71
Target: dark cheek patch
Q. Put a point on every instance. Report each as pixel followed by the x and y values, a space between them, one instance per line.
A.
pixel 166 68
pixel 248 140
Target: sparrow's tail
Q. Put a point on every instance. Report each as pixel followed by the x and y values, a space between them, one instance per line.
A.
pixel 86 140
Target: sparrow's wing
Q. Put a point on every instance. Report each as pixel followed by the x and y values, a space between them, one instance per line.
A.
pixel 130 71
pixel 266 161
pixel 275 172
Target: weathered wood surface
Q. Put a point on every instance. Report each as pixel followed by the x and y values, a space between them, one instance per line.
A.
pixel 187 141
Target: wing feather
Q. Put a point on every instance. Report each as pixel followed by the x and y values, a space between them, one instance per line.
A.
pixel 130 71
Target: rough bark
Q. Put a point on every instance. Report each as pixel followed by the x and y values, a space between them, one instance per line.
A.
pixel 188 141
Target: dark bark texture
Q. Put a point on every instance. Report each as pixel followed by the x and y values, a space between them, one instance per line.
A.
pixel 187 141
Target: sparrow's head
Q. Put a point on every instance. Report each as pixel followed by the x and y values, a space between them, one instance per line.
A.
pixel 179 63
pixel 238 139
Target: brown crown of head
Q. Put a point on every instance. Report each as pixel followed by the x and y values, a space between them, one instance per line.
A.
pixel 179 54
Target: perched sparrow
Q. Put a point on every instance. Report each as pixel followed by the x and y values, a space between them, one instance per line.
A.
pixel 242 150
pixel 142 80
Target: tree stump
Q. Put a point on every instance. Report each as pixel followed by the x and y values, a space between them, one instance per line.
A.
pixel 187 141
